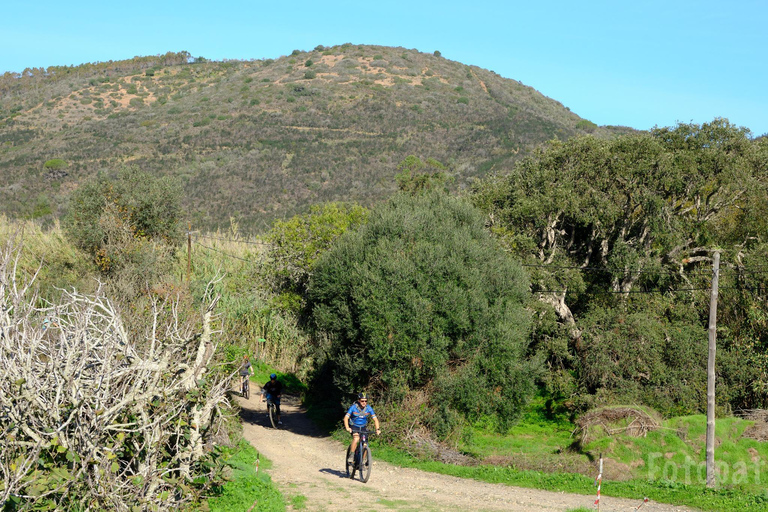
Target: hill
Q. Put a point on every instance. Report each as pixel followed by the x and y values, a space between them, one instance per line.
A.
pixel 258 140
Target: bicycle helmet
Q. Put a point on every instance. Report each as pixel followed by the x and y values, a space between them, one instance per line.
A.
pixel 362 396
pixel 272 377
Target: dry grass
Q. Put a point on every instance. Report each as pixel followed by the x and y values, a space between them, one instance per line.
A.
pixel 628 420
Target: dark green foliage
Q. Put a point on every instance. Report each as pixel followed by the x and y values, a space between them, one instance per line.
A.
pixel 620 234
pixel 641 358
pixel 421 298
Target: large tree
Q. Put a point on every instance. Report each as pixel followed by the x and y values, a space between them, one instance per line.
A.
pixel 421 298
pixel 628 224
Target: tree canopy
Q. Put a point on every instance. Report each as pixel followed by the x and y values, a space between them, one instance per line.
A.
pixel 630 224
pixel 421 298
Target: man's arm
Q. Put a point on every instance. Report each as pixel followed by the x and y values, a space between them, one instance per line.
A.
pixel 378 427
pixel 346 423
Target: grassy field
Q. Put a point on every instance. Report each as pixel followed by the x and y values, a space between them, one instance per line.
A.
pixel 666 466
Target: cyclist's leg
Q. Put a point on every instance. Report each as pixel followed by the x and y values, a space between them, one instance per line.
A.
pixel 276 400
pixel 355 440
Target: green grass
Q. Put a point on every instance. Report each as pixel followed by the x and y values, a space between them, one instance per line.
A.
pixel 291 383
pixel 247 485
pixel 299 502
pixel 666 466
pixel 724 500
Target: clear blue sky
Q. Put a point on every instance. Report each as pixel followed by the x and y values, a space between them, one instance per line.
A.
pixel 636 64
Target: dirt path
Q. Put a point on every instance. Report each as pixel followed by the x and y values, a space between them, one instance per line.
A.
pixel 310 464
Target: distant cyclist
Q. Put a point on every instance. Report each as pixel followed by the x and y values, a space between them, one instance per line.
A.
pixel 246 370
pixel 357 418
pixel 271 391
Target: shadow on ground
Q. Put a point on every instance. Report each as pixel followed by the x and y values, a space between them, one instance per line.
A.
pixel 335 472
pixel 254 411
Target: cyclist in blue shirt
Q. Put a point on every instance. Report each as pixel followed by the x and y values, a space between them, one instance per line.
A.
pixel 357 418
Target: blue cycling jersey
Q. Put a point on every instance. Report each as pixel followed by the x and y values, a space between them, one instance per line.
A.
pixel 359 417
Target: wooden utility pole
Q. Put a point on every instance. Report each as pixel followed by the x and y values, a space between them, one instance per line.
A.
pixel 711 371
pixel 189 250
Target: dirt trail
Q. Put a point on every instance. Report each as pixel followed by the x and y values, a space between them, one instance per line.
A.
pixel 308 463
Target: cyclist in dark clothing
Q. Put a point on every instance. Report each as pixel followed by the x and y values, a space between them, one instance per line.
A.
pixel 271 391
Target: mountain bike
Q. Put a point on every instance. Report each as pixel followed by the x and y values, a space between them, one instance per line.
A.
pixel 362 461
pixel 272 411
pixel 246 388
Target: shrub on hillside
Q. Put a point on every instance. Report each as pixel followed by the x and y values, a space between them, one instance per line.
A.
pixel 55 164
pixel 421 298
pixel 128 223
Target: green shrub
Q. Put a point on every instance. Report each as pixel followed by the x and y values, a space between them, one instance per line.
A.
pixel 587 126
pixel 116 218
pixel 55 164
pixel 421 298
pixel 296 244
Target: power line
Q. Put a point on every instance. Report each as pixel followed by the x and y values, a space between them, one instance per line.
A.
pixel 222 252
pixel 230 240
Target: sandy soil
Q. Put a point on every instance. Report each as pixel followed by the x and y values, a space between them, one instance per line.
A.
pixel 310 464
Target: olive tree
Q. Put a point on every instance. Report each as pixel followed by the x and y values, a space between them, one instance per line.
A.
pixel 619 235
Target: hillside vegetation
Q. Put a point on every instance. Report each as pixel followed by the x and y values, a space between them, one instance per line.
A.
pixel 574 275
pixel 258 140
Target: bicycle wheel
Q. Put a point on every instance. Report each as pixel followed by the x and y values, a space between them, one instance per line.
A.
pixel 350 464
pixel 246 389
pixel 365 463
pixel 272 414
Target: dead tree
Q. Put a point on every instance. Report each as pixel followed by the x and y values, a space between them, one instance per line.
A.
pixel 92 414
